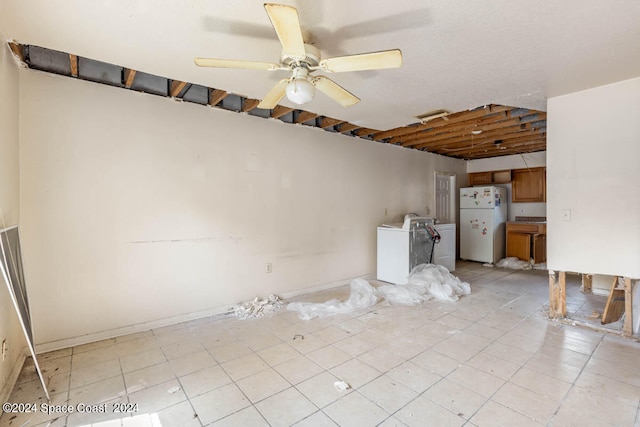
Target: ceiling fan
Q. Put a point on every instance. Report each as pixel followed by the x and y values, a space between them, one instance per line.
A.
pixel 303 59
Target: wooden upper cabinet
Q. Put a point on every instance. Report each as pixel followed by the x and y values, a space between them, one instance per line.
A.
pixel 529 185
pixel 479 178
pixel 492 177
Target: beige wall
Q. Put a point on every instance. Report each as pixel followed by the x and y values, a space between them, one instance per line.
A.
pixel 592 169
pixel 9 207
pixel 138 208
pixel 531 160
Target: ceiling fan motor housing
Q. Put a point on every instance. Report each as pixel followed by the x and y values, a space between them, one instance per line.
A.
pixel 311 60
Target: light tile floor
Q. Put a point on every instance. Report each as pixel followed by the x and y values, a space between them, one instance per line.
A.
pixel 490 359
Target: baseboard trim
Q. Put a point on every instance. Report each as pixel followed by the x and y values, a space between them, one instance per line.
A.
pixel 145 326
pixel 5 393
pixel 126 330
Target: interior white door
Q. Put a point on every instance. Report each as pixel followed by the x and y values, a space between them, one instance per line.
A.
pixel 476 235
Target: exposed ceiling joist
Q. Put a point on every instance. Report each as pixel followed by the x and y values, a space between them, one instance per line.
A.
pixel 216 95
pixel 176 87
pixel 129 76
pixel 73 64
pixel 280 111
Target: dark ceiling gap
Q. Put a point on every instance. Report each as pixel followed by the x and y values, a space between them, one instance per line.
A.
pixel 520 130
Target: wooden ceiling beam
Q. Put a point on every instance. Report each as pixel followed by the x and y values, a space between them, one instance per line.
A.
pixel 498 151
pixel 501 133
pixel 326 122
pixel 462 133
pixel 440 122
pixel 176 87
pixel 470 124
pixel 305 116
pixel 347 127
pixel 501 147
pixel 216 95
pixel 483 124
pixel 489 135
pixel 510 144
pixel 364 132
pixel 73 65
pixel 129 77
pixel 280 111
pixel 249 104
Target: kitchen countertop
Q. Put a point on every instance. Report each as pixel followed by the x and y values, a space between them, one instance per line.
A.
pixel 529 220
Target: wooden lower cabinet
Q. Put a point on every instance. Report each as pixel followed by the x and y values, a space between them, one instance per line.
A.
pixel 519 245
pixel 527 241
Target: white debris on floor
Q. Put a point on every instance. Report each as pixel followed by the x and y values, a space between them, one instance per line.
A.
pixel 514 263
pixel 425 282
pixel 257 307
pixel 341 386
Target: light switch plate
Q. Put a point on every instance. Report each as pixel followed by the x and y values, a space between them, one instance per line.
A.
pixel 566 214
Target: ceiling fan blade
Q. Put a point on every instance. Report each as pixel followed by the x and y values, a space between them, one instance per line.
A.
pixel 335 91
pixel 232 63
pixel 274 96
pixel 287 25
pixel 364 61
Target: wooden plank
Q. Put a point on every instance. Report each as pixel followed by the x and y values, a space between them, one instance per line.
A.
pixel 73 64
pixel 305 116
pixel 627 328
pixel 17 50
pixel 129 77
pixel 557 295
pixel 249 104
pixel 280 111
pixel 363 132
pixel 615 303
pixel 587 283
pixel 176 87
pixel 326 122
pixel 347 127
pixel 216 95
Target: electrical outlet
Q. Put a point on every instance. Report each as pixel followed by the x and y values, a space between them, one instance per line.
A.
pixel 268 268
pixel 4 350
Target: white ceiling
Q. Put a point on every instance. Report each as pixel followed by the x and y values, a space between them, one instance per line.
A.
pixel 458 54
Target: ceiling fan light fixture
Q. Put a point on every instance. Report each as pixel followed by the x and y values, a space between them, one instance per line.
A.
pixel 300 91
pixel 476 131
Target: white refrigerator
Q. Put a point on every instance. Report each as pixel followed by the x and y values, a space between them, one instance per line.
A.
pixel 483 213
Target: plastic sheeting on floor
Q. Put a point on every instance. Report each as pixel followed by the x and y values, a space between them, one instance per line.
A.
pixel 425 282
pixel 362 295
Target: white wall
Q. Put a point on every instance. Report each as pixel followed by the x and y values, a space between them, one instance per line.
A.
pixel 528 160
pixel 137 208
pixel 10 329
pixel 593 169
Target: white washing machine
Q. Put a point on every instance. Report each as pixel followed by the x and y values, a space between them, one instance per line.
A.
pixel 402 246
